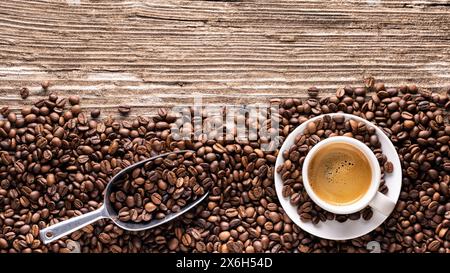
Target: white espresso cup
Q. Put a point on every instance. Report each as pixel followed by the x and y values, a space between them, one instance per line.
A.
pixel 372 197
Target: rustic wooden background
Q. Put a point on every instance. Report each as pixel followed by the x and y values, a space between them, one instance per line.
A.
pixel 159 53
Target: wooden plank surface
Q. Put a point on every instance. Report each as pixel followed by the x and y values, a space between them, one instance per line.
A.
pixel 160 53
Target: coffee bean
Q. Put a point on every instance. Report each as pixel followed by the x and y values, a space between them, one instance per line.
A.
pixel 130 202
pixel 230 213
pixel 305 217
pixel 224 236
pixel 339 119
pixel 124 109
pixel 367 214
pixel 407 116
pixel 87 150
pixel 340 93
pixel 235 247
pixel 45 84
pixel 150 207
pixel 3 243
pixel 311 127
pixel 24 92
pixel 95 113
pixel 433 246
pixel 313 92
pixel 75 110
pixel 186 239
pixel 104 238
pixel 156 198
pixel 388 167
pixel 74 100
pixel 374 141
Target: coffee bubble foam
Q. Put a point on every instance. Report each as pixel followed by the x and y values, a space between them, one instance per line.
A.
pixel 339 173
pixel 341 165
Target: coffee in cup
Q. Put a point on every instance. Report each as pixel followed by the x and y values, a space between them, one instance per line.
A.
pixel 340 173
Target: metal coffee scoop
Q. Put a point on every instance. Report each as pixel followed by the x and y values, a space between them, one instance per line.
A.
pixel 64 228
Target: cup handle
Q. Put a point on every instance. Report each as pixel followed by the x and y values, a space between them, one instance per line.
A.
pixel 382 204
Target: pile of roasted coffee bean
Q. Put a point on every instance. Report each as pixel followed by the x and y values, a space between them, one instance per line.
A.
pixel 55 160
pixel 294 157
pixel 417 123
pixel 162 186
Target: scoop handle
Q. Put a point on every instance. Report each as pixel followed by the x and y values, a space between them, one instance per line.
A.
pixel 61 229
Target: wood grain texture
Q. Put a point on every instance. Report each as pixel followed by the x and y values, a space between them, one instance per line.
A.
pixel 161 53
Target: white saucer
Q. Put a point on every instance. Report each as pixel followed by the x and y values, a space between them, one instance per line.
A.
pixel 350 229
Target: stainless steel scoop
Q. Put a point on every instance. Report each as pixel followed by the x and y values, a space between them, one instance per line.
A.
pixel 64 228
